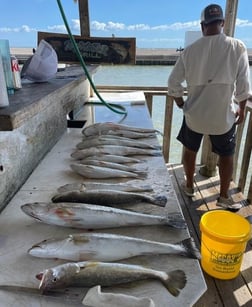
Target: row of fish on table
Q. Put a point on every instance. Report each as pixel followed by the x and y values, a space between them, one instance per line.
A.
pixel 107 151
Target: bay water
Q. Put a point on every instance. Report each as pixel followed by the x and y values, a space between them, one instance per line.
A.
pixel 147 75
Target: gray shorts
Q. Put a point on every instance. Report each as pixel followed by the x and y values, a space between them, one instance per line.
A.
pixel 222 145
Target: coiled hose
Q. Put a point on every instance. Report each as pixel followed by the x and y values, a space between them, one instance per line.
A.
pixel 113 107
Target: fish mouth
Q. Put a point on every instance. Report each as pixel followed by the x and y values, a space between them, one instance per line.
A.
pixel 42 276
pixel 34 216
pixel 36 246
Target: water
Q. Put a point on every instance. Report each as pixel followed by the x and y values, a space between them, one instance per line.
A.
pixel 147 75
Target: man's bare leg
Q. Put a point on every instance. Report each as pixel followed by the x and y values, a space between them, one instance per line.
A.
pixel 189 161
pixel 225 172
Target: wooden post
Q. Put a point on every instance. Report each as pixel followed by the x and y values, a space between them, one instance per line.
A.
pixel 167 127
pixel 149 101
pixel 249 197
pixel 209 159
pixel 246 156
pixel 230 17
pixel 84 18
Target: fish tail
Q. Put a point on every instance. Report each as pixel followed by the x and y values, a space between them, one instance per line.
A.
pixel 157 147
pixel 160 200
pixel 176 281
pixel 142 174
pixel 191 250
pixel 156 153
pixel 176 220
pixel 159 132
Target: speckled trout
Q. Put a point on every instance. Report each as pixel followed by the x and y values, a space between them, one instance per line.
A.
pixel 112 165
pixel 114 150
pixel 88 185
pixel 118 129
pixel 86 216
pixel 109 198
pixel 104 140
pixel 108 247
pixel 90 273
pixel 112 158
pixel 101 172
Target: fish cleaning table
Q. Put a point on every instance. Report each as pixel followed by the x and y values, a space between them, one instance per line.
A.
pixel 18 232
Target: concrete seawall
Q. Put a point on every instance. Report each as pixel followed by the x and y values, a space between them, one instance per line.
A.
pixel 164 56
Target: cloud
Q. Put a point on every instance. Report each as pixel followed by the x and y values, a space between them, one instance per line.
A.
pixel 243 23
pixel 23 28
pixel 57 28
pixel 101 26
pixel 117 26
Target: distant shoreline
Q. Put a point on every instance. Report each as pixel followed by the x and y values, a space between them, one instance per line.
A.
pixel 144 56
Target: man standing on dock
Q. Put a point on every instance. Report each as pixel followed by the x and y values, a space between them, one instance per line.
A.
pixel 216 71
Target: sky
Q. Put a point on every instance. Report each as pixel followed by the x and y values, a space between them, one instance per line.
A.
pixel 154 23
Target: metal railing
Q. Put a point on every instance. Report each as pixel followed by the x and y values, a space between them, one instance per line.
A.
pixel 242 175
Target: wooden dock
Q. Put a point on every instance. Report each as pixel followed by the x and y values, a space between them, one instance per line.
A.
pixel 226 293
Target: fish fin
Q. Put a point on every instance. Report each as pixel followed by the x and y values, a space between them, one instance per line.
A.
pixel 176 220
pixel 88 264
pixel 79 238
pixel 190 248
pixel 175 282
pixel 87 256
pixel 160 200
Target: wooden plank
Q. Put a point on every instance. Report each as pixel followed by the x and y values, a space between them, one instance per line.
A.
pixel 94 50
pixel 192 211
pixel 227 293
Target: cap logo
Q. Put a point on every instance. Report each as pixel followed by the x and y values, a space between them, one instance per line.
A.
pixel 214 11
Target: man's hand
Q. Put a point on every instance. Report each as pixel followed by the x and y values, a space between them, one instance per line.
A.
pixel 240 116
pixel 179 101
pixel 241 113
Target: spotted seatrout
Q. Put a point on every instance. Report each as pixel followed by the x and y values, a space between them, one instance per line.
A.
pixel 88 185
pixel 109 198
pixel 114 150
pixel 109 140
pixel 118 129
pixel 112 165
pixel 112 158
pixel 108 247
pixel 89 274
pixel 96 217
pixel 100 172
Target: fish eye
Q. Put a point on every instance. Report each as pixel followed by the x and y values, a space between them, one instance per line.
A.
pixel 54 279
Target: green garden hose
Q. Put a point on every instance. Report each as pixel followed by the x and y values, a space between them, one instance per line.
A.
pixel 113 107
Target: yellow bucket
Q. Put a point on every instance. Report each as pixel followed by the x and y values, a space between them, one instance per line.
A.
pixel 224 237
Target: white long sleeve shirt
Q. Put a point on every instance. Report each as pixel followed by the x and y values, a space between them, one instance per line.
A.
pixel 216 71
